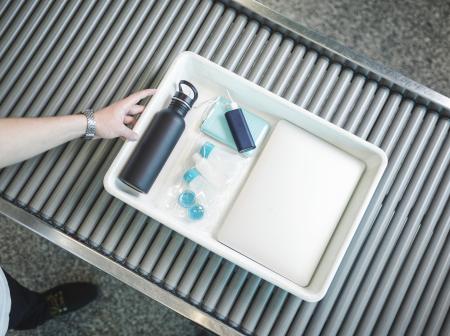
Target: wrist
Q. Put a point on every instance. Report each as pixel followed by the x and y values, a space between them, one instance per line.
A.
pixel 79 125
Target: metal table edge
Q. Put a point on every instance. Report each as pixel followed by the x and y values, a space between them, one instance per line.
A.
pixel 113 268
pixel 340 53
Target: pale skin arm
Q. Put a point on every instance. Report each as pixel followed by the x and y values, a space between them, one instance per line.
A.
pixel 22 138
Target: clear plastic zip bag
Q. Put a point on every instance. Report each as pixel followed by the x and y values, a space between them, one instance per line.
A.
pixel 198 189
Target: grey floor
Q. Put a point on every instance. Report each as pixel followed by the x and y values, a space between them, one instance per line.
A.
pixel 410 36
pixel 120 310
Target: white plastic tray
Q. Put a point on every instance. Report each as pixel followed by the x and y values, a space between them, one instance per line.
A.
pixel 211 81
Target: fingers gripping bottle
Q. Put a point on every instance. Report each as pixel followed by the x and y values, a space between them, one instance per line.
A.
pixel 158 141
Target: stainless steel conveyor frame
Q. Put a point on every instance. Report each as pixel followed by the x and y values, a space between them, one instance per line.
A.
pixel 68 55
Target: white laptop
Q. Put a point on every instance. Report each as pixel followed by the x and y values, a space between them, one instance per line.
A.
pixel 295 195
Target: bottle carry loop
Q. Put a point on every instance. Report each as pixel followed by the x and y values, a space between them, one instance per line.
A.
pixel 192 87
pixel 181 98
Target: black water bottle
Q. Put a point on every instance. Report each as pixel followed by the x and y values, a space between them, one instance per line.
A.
pixel 158 141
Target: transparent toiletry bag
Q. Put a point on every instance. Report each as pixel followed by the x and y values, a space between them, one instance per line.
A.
pixel 198 189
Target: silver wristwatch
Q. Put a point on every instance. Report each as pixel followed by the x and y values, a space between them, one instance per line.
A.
pixel 90 129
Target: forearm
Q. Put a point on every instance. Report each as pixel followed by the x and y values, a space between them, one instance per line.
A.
pixel 22 138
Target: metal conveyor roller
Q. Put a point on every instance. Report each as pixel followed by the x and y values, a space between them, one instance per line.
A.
pixel 58 57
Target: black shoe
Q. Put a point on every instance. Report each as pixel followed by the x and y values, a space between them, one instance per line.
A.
pixel 56 301
pixel 203 332
pixel 69 297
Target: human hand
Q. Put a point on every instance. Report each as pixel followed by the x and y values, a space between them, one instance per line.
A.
pixel 111 121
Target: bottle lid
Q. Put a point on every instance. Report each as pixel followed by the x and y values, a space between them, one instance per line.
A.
pixel 206 149
pixel 182 97
pixel 186 199
pixel 190 175
pixel 196 212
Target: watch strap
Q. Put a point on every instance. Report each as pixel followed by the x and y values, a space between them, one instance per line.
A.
pixel 91 127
